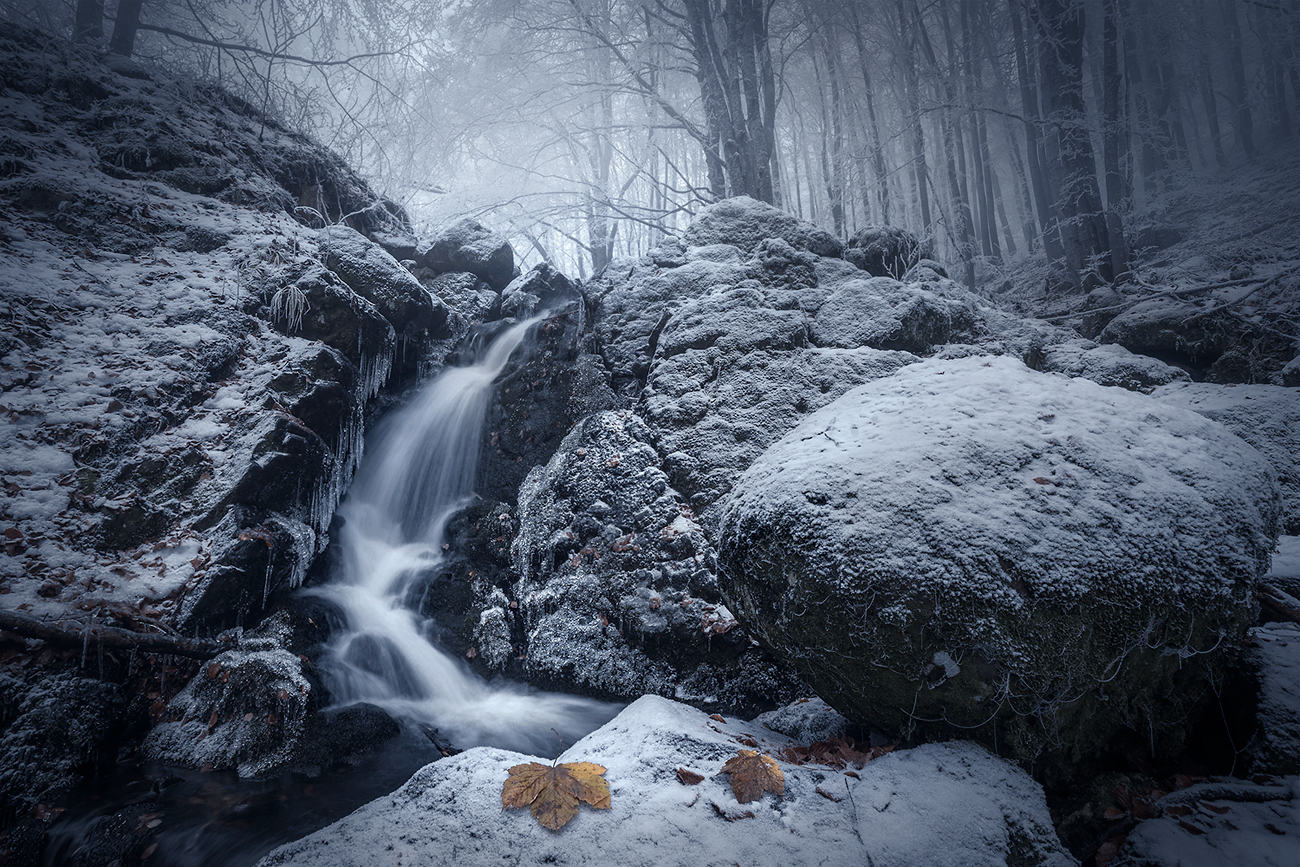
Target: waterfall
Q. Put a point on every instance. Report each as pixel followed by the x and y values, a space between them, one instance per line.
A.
pixel 418 471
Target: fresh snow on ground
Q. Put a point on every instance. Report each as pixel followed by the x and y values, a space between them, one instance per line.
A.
pixel 940 805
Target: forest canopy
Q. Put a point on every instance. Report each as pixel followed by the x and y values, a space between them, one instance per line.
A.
pixel 587 128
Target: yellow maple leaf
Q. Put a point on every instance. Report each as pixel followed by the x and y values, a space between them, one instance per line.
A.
pixel 752 775
pixel 553 791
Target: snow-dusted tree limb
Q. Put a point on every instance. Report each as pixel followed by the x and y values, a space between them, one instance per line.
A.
pixel 74 633
pixel 1234 791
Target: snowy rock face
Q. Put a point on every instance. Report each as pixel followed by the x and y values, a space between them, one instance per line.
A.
pixel 942 805
pixel 885 251
pixel 618 595
pixel 1110 364
pixel 1271 662
pixel 726 348
pixel 1267 417
pixel 745 223
pixel 469 246
pixel 245 710
pixel 185 359
pixel 970 547
pixel 369 271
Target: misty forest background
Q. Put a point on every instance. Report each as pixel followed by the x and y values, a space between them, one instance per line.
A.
pixel 1013 134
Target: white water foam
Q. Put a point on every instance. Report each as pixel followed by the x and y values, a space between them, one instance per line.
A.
pixel 418 471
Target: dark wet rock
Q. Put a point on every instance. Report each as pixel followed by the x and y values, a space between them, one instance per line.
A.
pixel 470 246
pixel 416 316
pixel 57 726
pixel 543 288
pixel 887 251
pixel 744 222
pixel 968 546
pixel 1205 341
pixel 475 567
pixel 327 310
pixel 618 594
pixel 1270 669
pixel 546 388
pixel 342 735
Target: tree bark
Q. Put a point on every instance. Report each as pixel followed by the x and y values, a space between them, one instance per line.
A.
pixel 1083 219
pixel 77 634
pixel 126 27
pixel 877 150
pixel 1034 141
pixel 1116 192
pixel 89 26
pixel 1243 121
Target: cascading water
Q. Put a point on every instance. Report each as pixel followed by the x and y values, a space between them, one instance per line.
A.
pixel 418 471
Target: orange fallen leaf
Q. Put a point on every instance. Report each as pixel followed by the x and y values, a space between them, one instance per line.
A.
pixel 752 775
pixel 553 792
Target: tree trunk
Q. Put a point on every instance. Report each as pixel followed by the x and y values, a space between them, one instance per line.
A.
pixel 1116 192
pixel 877 151
pixel 1240 96
pixel 1208 97
pixel 913 87
pixel 1083 219
pixel 1033 141
pixel 89 26
pixel 124 31
pixel 951 143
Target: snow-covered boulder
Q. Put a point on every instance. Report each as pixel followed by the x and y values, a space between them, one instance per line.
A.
pixel 468 245
pixel 246 710
pixel 618 596
pixel 1271 663
pixel 1266 416
pixel 886 251
pixel 379 278
pixel 942 805
pixel 1110 364
pixel 715 411
pixel 971 548
pixel 744 222
pixel 1218 825
pixel 883 313
pixel 543 288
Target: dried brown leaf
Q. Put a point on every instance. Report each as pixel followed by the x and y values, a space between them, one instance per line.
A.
pixel 689 778
pixel 552 792
pixel 753 774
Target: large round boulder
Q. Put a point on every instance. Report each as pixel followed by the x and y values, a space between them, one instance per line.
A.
pixel 745 223
pixel 970 548
pixel 468 245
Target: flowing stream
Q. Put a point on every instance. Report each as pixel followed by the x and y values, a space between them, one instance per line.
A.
pixel 418 471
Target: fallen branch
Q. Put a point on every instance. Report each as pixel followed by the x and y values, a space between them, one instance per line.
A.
pixel 74 633
pixel 1281 604
pixel 1171 293
pixel 1244 793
